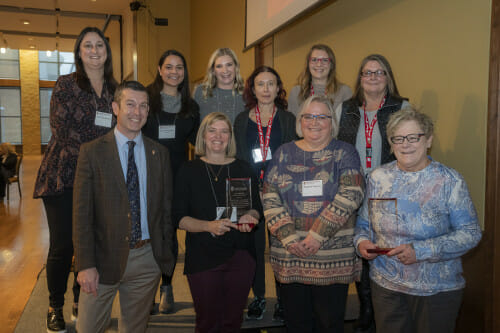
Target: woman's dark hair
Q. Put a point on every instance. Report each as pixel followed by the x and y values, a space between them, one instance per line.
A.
pixel 156 87
pixel 391 88
pixel 249 96
pixel 82 79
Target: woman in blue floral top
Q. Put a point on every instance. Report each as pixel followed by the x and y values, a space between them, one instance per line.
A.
pixel 420 211
pixel 312 188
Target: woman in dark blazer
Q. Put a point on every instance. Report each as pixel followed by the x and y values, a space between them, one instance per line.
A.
pixel 259 131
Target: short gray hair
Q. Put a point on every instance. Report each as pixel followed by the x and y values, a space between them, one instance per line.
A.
pixel 409 113
pixel 318 99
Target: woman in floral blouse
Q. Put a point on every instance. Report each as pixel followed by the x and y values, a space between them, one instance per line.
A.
pixel 80 111
pixel 416 222
pixel 311 190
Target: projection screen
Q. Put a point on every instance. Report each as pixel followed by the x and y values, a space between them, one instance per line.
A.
pixel 266 17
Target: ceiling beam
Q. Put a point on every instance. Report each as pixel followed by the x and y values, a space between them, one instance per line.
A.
pixel 38 34
pixel 53 12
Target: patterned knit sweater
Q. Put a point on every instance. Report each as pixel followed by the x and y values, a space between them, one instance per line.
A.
pixel 329 217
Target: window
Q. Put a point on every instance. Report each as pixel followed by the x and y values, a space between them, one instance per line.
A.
pixel 54 64
pixel 10 97
pixel 10 115
pixel 9 64
pixel 51 66
pixel 45 133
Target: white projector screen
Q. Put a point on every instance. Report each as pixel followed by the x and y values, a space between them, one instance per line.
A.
pixel 265 17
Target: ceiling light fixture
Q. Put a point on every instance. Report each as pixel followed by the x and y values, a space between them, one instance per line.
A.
pixel 25 22
pixel 32 46
pixel 3 50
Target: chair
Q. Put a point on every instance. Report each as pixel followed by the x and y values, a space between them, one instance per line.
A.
pixel 15 178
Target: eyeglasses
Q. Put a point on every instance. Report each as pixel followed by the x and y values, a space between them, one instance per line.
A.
pixel 320 117
pixel 322 61
pixel 411 138
pixel 377 73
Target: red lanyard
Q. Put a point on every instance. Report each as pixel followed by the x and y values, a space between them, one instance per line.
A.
pixel 312 91
pixel 264 145
pixel 369 133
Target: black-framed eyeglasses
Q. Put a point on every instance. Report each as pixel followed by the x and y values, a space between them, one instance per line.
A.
pixel 322 61
pixel 319 117
pixel 411 138
pixel 377 73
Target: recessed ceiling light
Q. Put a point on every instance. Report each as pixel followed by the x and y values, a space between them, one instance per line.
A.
pixel 30 38
pixel 25 22
pixel 32 46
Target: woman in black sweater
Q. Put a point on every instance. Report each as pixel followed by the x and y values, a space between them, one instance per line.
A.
pixel 173 121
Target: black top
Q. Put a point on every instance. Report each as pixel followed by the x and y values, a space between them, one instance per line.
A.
pixel 350 119
pixel 8 167
pixel 185 131
pixel 283 131
pixel 194 197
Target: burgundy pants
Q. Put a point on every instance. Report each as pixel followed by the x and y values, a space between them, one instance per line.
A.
pixel 220 294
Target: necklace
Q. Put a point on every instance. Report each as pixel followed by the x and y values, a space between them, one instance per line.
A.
pixel 212 172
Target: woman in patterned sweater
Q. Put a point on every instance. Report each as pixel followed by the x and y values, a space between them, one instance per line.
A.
pixel 417 221
pixel 312 188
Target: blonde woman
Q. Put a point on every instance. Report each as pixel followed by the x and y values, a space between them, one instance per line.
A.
pixel 220 254
pixel 222 88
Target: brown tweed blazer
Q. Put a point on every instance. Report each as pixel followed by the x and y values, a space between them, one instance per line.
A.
pixel 101 211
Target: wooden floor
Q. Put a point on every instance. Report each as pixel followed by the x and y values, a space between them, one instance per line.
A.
pixel 24 240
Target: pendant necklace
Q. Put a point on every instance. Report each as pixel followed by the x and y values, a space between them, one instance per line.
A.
pixel 212 172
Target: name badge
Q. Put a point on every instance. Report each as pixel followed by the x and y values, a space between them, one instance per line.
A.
pixel 166 132
pixel 103 119
pixel 312 188
pixel 257 155
pixel 220 212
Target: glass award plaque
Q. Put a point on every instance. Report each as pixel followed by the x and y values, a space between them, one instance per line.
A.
pixel 383 224
pixel 238 197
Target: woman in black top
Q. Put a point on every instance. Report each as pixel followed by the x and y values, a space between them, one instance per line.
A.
pixel 173 121
pixel 219 261
pixel 263 126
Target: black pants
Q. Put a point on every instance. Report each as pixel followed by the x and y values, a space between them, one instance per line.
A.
pixel 59 211
pixel 259 281
pixel 310 308
pixel 167 279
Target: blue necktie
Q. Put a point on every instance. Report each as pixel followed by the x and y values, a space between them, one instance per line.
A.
pixel 134 197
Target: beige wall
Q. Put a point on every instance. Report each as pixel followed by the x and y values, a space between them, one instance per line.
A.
pixel 154 40
pixel 439 52
pixel 30 101
pixel 217 24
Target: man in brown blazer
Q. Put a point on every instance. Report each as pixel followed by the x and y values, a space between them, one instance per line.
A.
pixel 122 226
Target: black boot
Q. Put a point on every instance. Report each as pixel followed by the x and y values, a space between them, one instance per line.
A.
pixel 366 320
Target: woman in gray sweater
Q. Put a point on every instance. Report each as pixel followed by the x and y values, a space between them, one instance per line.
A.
pixel 222 88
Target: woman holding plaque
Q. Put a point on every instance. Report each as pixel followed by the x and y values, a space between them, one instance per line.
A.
pixel 80 111
pixel 312 189
pixel 222 87
pixel 260 130
pixel 173 121
pixel 362 123
pixel 220 258
pixel 416 222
